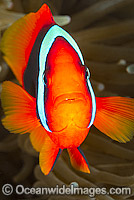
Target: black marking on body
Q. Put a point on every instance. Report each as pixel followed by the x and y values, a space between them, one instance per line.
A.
pixel 30 76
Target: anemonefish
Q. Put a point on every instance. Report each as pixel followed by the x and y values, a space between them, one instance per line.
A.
pixel 54 100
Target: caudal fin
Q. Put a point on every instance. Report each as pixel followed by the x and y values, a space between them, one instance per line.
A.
pixel 19 38
pixel 115 117
pixel 78 159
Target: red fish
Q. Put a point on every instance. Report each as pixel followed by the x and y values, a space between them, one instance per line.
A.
pixel 55 101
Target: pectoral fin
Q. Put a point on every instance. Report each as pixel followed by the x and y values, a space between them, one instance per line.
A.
pixel 115 117
pixel 20 114
pixel 19 108
pixel 37 137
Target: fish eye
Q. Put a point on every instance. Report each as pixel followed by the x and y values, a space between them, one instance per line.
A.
pixel 87 73
pixel 44 78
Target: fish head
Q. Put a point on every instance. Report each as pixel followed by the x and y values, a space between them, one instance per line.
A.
pixel 68 100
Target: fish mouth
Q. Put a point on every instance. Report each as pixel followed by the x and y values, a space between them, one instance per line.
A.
pixel 80 127
pixel 69 98
pixel 70 125
pixel 61 130
pixel 67 111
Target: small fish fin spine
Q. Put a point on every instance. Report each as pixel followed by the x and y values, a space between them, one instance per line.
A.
pixel 19 108
pixel 115 117
pixel 78 159
pixel 19 38
pixel 49 154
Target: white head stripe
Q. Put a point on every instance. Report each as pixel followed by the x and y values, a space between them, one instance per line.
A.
pixel 54 32
pixel 93 103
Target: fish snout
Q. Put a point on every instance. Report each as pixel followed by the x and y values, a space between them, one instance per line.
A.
pixel 73 108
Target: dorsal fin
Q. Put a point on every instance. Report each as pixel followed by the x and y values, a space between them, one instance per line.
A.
pixel 19 38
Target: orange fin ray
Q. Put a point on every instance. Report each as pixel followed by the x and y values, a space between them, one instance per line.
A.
pixel 19 108
pixel 78 159
pixel 19 38
pixel 50 152
pixel 115 117
pixel 37 137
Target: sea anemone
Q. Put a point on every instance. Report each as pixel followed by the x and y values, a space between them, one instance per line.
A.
pixel 104 30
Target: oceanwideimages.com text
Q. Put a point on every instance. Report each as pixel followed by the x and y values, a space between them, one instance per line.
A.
pixel 8 189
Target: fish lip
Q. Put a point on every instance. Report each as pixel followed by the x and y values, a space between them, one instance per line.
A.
pixel 74 124
pixel 69 97
pixel 61 129
pixel 82 128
